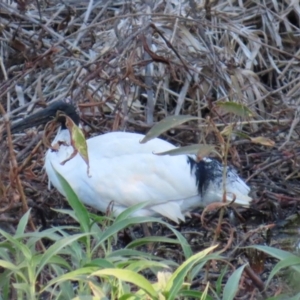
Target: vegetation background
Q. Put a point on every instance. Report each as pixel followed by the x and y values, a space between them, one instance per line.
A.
pixel 128 65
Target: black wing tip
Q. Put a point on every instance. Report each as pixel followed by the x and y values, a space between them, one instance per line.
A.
pixel 201 173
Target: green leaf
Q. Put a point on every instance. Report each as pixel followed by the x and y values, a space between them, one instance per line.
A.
pixel 194 295
pixel 285 297
pixel 150 240
pixel 129 276
pixel 8 265
pixel 58 260
pixel 200 150
pixel 285 263
pixel 23 223
pixel 20 246
pixel 74 276
pixel 78 141
pixel 235 108
pixel 100 263
pixel 78 207
pixel 129 297
pixel 5 284
pixel 56 247
pixel 118 226
pixel 232 285
pixel 175 282
pixel 164 125
pixel 140 265
pixel 129 211
pixel 131 253
pixel 277 253
pixel 220 280
pixel 86 297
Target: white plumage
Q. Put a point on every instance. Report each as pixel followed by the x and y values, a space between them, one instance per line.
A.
pixel 126 172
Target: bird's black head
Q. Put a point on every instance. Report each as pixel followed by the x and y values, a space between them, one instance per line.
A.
pixel 47 114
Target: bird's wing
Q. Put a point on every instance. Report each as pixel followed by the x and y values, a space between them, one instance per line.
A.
pixel 126 172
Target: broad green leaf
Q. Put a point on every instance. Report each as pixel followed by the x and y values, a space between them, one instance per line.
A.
pixel 23 223
pixel 129 276
pixel 200 150
pixel 164 125
pixel 78 142
pixel 235 108
pixel 232 285
pixel 175 283
pixel 78 207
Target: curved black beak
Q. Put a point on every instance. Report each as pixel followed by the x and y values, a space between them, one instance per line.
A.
pixel 47 114
pixel 41 117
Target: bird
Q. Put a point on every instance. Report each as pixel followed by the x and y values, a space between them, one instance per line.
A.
pixel 125 172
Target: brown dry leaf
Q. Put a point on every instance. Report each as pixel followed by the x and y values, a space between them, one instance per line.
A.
pixel 262 141
pixel 210 207
pixel 18 45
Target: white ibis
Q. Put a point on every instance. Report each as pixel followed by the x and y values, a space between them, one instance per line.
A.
pixel 127 172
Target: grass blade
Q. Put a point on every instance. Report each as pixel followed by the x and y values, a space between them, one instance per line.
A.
pixel 129 276
pixel 56 247
pixel 164 125
pixel 232 285
pixel 176 280
pixel 77 206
